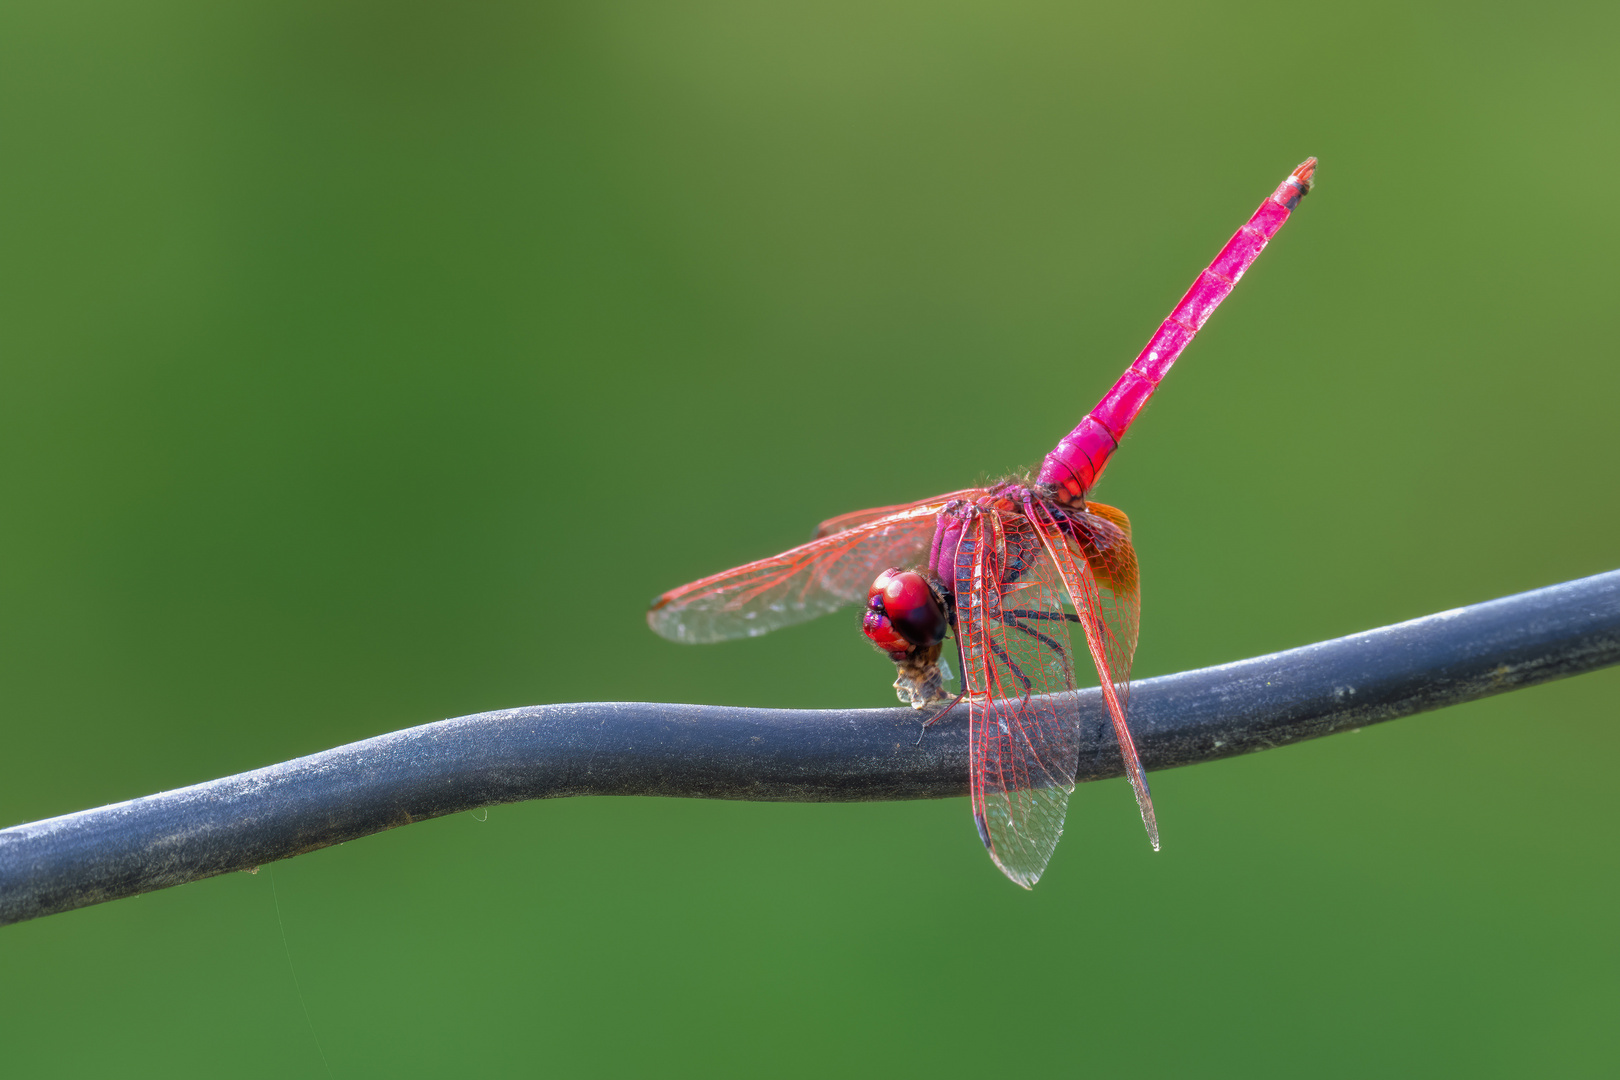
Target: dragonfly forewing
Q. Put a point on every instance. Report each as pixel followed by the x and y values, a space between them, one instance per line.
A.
pixel 860 517
pixel 797 585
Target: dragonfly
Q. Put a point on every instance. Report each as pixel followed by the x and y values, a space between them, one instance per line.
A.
pixel 1022 575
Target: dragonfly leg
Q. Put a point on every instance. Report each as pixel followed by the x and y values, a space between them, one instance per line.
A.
pixel 1067 616
pixel 1012 665
pixel 1012 620
pixel 937 717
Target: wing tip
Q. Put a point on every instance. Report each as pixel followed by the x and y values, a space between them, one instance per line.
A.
pixel 666 626
pixel 1144 802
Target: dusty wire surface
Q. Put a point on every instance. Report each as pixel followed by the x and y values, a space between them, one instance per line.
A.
pixel 838 755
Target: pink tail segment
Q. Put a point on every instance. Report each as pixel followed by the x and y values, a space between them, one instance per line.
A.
pixel 1078 460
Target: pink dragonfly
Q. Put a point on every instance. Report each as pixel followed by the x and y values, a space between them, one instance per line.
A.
pixel 1007 570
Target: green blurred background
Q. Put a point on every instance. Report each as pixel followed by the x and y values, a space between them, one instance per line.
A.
pixel 371 363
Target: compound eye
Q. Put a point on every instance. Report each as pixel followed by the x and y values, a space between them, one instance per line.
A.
pixel 913 609
pixel 907 592
pixel 880 587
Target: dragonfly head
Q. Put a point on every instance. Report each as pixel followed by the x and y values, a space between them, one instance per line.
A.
pixel 904 614
pixel 906 617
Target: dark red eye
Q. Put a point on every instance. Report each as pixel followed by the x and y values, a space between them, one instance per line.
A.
pixel 908 607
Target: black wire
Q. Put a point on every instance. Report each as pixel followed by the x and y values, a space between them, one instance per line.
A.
pixel 838 755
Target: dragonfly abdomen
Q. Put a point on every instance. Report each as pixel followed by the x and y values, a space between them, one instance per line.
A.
pixel 1074 465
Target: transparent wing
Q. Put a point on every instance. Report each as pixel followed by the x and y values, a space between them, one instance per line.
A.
pixel 1023 731
pixel 1097 565
pixel 860 517
pixel 810 580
